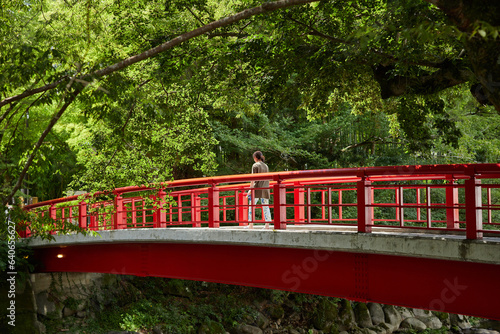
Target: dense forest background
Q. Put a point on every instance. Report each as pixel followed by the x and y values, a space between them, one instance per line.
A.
pixel 97 94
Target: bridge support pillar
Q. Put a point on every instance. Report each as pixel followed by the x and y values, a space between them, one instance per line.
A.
pixel 473 212
pixel 365 210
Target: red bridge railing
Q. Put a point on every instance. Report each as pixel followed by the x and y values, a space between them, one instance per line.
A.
pixel 463 199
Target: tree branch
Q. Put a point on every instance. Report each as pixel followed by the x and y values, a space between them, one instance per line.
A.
pixel 264 8
pixel 228 34
pixel 371 141
pixel 40 141
pixel 315 32
pixel 32 92
pixel 195 16
pixel 448 75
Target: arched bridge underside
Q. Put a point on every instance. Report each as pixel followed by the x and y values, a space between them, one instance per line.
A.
pixel 430 271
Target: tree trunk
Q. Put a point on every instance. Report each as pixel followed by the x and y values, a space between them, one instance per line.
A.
pixel 483 52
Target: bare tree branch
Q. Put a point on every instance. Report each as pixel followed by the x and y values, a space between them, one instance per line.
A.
pixel 195 16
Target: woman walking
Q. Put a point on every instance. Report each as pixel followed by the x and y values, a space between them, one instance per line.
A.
pixel 260 190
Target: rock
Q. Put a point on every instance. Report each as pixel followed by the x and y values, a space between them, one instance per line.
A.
pixel 346 316
pixel 275 311
pixel 211 327
pixel 443 317
pixel 325 314
pixel 39 327
pixel 368 331
pixel 478 331
pixel 81 314
pixel 293 331
pixel 414 324
pixel 376 313
pixel 44 305
pixel 392 317
pixel 176 287
pixel 459 321
pixel 362 316
pixel 432 322
pixel 490 324
pixel 380 329
pixel 247 329
pixel 405 313
pixel 67 312
pixel 262 321
pixel 421 313
pixel 157 330
pixel 294 317
pixel 384 327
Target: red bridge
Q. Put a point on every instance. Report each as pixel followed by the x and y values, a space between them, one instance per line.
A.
pixel 418 236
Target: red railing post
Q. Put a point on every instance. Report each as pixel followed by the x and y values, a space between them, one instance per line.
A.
pixel 365 212
pixel 340 204
pixel 118 221
pixel 451 204
pixel 195 210
pixel 473 212
pixel 82 215
pixel 242 208
pixel 308 204
pixel 179 209
pixel 419 217
pixel 161 214
pixel 330 209
pixel 400 208
pixel 279 193
pixel 213 206
pixel 428 204
pixel 298 199
pixel 53 215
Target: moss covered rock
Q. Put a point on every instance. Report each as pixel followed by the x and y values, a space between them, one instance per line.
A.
pixel 211 327
pixel 325 315
pixel 346 316
pixel 275 311
pixel 362 315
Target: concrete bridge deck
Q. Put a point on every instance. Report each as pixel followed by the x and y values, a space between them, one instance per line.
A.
pixel 345 239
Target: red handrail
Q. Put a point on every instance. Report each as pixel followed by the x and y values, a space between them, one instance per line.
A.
pixel 345 196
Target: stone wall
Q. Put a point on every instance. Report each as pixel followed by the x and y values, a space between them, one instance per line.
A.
pixel 77 295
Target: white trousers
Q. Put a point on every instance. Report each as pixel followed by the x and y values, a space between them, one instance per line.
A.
pixel 265 209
